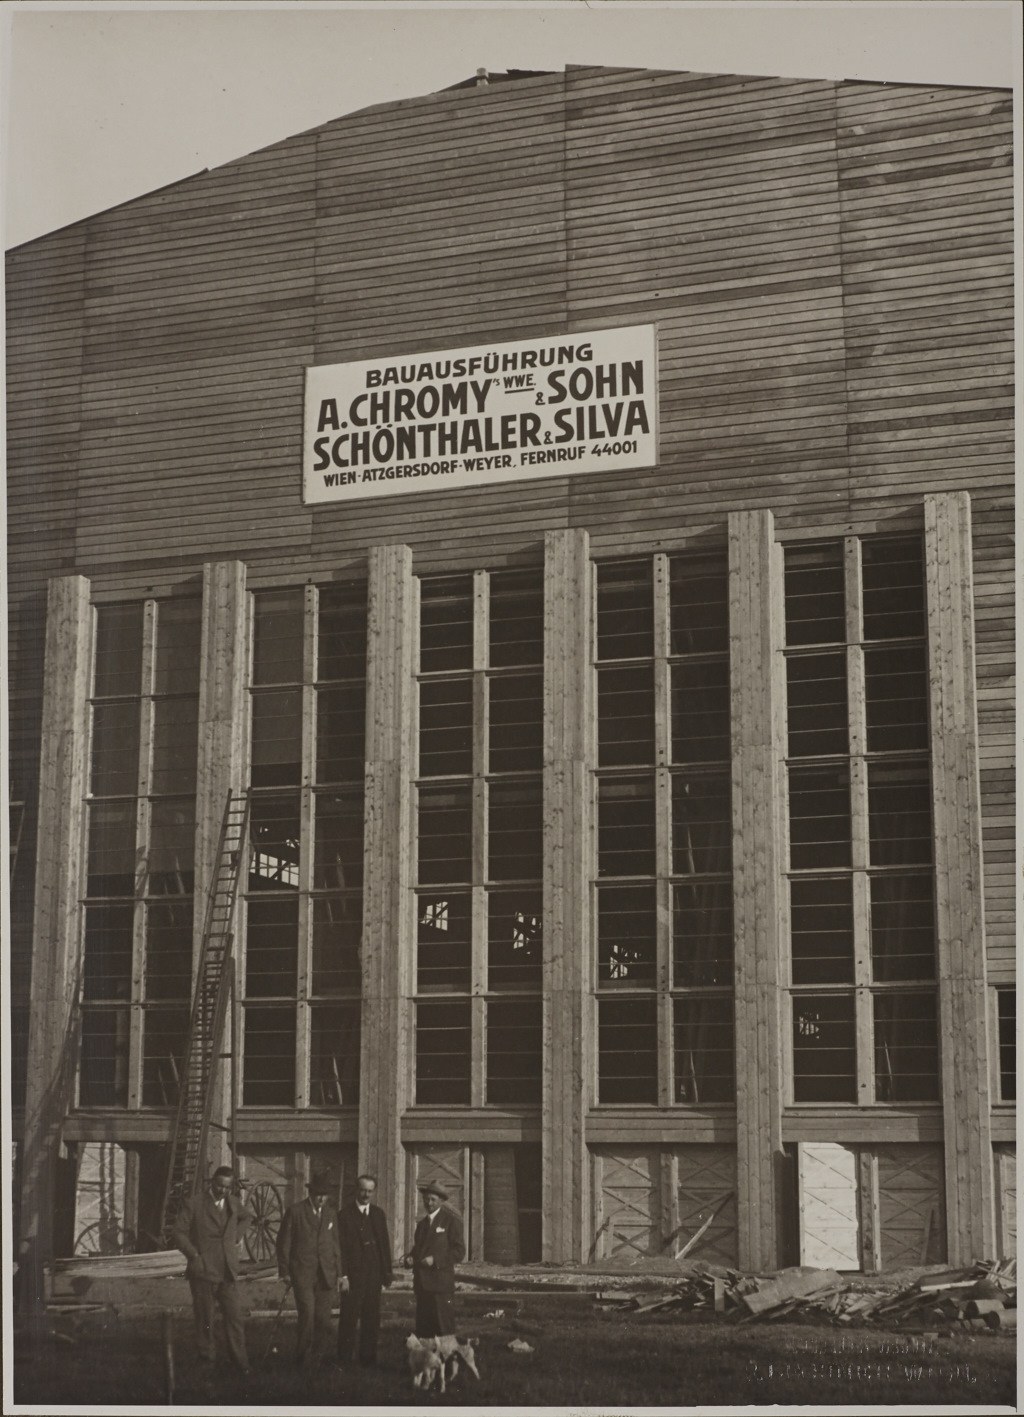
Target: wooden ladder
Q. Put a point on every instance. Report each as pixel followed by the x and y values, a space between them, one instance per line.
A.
pixel 206 1026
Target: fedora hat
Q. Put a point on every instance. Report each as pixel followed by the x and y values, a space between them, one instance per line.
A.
pixel 433 1188
pixel 321 1182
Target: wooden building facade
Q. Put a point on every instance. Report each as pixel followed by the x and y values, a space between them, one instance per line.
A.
pixel 631 850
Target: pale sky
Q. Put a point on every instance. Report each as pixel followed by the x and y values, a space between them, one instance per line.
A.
pixel 103 102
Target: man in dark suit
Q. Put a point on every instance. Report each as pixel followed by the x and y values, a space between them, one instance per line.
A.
pixel 437 1247
pixel 366 1269
pixel 207 1230
pixel 309 1254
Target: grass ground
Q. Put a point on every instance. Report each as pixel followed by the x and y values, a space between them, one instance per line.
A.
pixel 581 1359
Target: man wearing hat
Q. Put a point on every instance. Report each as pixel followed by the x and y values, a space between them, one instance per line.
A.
pixel 309 1254
pixel 437 1247
pixel 366 1265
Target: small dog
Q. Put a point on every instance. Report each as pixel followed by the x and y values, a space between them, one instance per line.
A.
pixel 431 1358
pixel 451 1349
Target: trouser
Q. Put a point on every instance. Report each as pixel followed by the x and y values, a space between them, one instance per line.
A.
pixel 359 1308
pixel 314 1301
pixel 435 1314
pixel 225 1291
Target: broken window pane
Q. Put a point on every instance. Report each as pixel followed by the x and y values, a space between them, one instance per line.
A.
pixel 169 931
pixel 625 716
pixel 515 832
pixel 111 848
pixel 175 745
pixel 819 817
pixel 272 948
pixel 277 738
pixel 514 1051
pixel 443 951
pixel 163 1048
pixel 892 571
pixel 705 1064
pixel 702 934
pixel 178 637
pixel 172 837
pixel 899 813
pixel 274 843
pixel 627 1051
pixel 699 604
pixel 103 1067
pixel 700 711
pixel 1007 1012
pixel 701 824
pixel 338 841
pixel 902 928
pixel 896 687
pixel 443 1052
pixel 516 716
pixel 824 1048
pixel 107 961
pixel 268 1072
pixel 821 911
pixel 446 623
pixel 341 733
pixel 118 660
pixel 337 931
pixel 115 750
pixel 341 631
pixel 626 933
pixel 445 835
pixel 514 939
pixel 516 617
pixel 446 728
pixel 906 1048
pixel 625 610
pixel 817 705
pixel 815 595
pixel 334 1055
pixel 625 827
pixel 277 636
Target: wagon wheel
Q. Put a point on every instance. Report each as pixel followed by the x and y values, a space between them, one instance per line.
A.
pixel 261 1237
pixel 100 1238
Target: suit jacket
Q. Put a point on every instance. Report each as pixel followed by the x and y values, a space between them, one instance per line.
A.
pixel 356 1264
pixel 308 1248
pixel 443 1240
pixel 209 1237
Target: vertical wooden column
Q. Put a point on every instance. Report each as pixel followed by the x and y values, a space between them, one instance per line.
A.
pixel 758 835
pixel 388 946
pixel 956 807
pixel 221 768
pixel 60 869
pixel 568 791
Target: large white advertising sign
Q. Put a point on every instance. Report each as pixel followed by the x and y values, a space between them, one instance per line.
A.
pixel 496 413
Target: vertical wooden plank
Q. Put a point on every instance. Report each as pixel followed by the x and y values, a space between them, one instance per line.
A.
pixel 388 944
pixel 757 696
pixel 956 807
pixel 221 768
pixel 60 867
pixel 568 763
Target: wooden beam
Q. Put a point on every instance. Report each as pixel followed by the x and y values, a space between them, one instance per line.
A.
pixel 569 1044
pixel 60 884
pixel 389 933
pixel 956 808
pixel 759 897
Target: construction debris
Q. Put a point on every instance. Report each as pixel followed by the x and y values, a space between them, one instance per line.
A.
pixel 980 1296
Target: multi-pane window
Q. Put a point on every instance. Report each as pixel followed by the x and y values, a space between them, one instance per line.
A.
pixel 1006 1005
pixel 136 980
pixel 478 902
pixel 861 880
pixel 303 906
pixel 664 847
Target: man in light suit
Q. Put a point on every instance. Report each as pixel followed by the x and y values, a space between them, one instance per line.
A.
pixel 437 1247
pixel 207 1229
pixel 308 1254
pixel 366 1265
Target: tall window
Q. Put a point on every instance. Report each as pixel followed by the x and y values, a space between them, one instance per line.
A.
pixel 478 957
pixel 664 888
pixel 861 879
pixel 137 960
pixel 303 908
